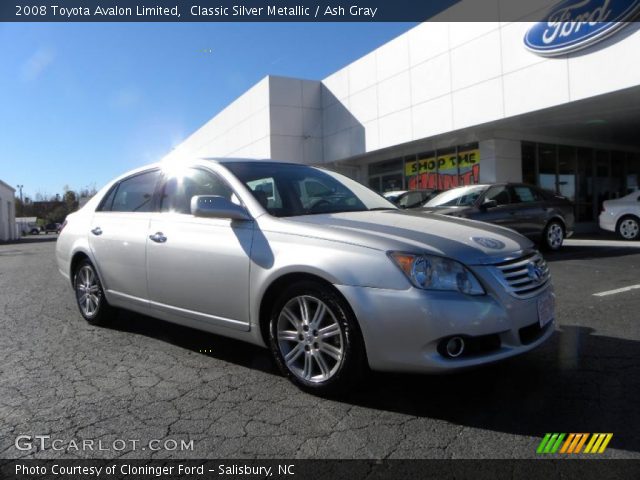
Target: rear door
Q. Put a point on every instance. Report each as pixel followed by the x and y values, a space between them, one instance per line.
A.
pixel 118 237
pixel 529 210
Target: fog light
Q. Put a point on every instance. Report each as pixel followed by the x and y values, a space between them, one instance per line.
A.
pixel 454 347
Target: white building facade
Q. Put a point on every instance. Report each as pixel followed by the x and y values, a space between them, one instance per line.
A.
pixel 8 230
pixel 453 103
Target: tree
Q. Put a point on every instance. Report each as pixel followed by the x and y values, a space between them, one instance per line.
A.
pixel 57 215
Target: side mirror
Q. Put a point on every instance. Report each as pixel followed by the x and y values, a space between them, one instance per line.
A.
pixel 489 204
pixel 213 206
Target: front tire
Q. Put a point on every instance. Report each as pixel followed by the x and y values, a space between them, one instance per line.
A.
pixel 628 228
pixel 90 298
pixel 315 340
pixel 553 236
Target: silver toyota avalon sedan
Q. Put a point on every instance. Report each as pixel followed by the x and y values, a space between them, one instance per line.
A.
pixel 327 274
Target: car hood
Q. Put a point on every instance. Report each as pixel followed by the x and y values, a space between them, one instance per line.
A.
pixel 464 240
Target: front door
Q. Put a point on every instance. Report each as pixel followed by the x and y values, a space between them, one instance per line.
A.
pixel 503 214
pixel 199 267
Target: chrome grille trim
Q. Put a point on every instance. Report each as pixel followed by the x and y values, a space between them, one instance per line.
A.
pixel 513 274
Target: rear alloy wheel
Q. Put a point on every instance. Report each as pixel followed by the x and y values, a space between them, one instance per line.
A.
pixel 314 339
pixel 553 236
pixel 89 295
pixel 629 228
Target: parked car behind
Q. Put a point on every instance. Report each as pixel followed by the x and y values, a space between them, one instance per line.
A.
pixel 393 195
pixel 330 286
pixel 414 198
pixel 52 228
pixel 541 215
pixel 622 216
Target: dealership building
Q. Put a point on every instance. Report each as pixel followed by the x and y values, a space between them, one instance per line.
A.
pixel 8 230
pixel 456 103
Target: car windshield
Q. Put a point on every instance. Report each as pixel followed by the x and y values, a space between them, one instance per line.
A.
pixel 287 190
pixel 458 197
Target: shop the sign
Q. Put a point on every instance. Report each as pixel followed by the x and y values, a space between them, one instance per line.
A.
pixel 444 171
pixel 576 24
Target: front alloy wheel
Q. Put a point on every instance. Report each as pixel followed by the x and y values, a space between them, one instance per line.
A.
pixel 553 236
pixel 629 228
pixel 89 295
pixel 314 338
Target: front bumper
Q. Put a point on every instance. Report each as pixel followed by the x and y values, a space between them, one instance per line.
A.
pixel 403 328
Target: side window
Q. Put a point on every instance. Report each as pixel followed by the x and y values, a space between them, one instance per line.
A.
pixel 107 202
pixel 521 194
pixel 178 191
pixel 266 192
pixel 499 194
pixel 135 194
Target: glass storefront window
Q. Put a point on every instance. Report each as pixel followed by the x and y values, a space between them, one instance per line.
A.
pixel 632 180
pixel 444 169
pixel 469 164
pixel 386 167
pixel 387 176
pixel 547 164
pixel 586 176
pixel 584 198
pixel 567 172
pixel 419 169
pixel 618 160
pixel 529 168
pixel 602 187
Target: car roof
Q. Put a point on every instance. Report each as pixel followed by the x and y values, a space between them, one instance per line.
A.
pixel 224 161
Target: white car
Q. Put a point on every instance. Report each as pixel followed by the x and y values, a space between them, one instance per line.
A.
pixel 393 195
pixel 622 216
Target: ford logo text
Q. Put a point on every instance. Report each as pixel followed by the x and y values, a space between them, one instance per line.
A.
pixel 576 24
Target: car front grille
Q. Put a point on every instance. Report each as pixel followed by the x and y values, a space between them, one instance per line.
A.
pixel 523 277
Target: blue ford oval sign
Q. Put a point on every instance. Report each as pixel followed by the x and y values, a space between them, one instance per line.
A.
pixel 575 24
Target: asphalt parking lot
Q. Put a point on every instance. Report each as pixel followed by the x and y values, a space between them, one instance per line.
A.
pixel 143 379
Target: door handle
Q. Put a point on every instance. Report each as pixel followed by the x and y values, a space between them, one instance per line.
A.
pixel 158 237
pixel 97 231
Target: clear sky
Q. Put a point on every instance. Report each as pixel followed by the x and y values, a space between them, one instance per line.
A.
pixel 82 103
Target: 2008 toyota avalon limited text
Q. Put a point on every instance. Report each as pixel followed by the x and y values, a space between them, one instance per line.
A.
pixel 326 273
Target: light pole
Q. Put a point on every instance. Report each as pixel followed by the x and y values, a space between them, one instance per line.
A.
pixel 20 187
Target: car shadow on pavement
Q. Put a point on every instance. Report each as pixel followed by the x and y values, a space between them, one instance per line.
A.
pixel 197 341
pixel 577 382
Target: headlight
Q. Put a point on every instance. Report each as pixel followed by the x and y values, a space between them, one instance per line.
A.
pixel 429 272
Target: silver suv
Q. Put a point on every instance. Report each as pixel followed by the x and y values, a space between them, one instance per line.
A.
pixel 327 274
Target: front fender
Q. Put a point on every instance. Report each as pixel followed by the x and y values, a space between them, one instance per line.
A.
pixel 274 255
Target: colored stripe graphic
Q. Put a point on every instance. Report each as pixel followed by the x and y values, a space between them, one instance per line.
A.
pixel 604 445
pixel 594 438
pixel 543 443
pixel 556 443
pixel 583 439
pixel 568 443
pixel 598 443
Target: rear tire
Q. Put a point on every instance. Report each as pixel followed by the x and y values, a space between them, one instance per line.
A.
pixel 315 340
pixel 553 236
pixel 90 297
pixel 628 228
